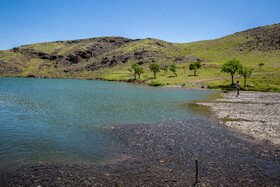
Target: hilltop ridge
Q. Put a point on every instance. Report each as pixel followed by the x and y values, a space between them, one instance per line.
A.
pixel 110 57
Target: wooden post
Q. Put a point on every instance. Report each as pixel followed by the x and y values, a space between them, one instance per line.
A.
pixel 196 171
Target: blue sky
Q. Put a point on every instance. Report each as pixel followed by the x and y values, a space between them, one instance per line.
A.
pixel 33 21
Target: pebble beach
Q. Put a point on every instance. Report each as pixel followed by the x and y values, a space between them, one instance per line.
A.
pixel 256 114
pixel 164 154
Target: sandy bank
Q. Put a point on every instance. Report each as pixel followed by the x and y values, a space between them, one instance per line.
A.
pixel 256 114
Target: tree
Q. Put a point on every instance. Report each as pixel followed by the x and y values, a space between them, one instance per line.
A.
pixel 138 70
pixel 173 68
pixel 246 73
pixel 165 69
pixel 134 74
pixel 231 67
pixel 184 68
pixel 195 66
pixel 154 67
pixel 260 65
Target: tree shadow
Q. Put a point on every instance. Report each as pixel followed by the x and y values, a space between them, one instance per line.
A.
pixel 224 87
pixel 192 75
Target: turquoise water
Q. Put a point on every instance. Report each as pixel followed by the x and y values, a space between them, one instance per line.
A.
pixel 65 120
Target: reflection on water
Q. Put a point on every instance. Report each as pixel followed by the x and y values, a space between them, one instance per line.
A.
pixel 64 120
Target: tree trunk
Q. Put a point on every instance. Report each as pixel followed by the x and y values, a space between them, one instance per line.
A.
pixel 194 72
pixel 245 82
pixel 135 76
pixel 232 79
pixel 155 75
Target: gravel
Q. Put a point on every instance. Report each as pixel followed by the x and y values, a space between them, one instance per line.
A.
pixel 256 114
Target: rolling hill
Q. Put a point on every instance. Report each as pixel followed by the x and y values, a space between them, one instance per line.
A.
pixel 110 57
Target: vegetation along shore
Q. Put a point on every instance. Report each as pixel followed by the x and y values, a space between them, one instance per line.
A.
pixel 164 154
pixel 197 64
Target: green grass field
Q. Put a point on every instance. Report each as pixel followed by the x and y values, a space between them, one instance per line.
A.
pixel 251 47
pixel 215 53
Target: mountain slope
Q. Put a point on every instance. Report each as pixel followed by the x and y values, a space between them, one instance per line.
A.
pixel 58 59
pixel 248 45
pixel 110 57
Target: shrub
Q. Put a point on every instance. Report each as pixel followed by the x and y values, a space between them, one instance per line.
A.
pixel 155 83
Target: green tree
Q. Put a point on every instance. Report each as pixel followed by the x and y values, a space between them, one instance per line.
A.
pixel 260 65
pixel 184 68
pixel 173 68
pixel 195 66
pixel 246 73
pixel 154 67
pixel 165 69
pixel 231 66
pixel 138 70
pixel 131 70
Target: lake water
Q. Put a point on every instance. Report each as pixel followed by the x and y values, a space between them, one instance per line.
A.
pixel 65 120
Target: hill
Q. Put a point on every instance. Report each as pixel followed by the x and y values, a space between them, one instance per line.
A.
pixel 110 57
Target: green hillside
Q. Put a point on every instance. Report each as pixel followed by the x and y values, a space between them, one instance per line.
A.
pixel 110 58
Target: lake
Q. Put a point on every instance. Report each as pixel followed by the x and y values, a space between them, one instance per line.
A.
pixel 57 120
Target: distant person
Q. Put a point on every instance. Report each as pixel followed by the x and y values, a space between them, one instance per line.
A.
pixel 237 88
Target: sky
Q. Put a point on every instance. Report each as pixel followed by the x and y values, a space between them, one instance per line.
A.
pixel 33 21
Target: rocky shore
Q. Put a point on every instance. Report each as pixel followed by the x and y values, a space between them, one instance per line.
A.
pixel 164 154
pixel 256 114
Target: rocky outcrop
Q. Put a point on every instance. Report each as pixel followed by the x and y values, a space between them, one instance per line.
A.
pixel 261 38
pixel 93 54
pixel 6 68
pixel 31 53
pixel 188 59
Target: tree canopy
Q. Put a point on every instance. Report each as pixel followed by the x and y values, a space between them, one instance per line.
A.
pixel 154 67
pixel 260 65
pixel 138 70
pixel 231 66
pixel 165 69
pixel 246 73
pixel 173 68
pixel 194 66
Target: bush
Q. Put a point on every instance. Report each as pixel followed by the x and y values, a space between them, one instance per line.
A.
pixel 112 79
pixel 272 89
pixel 169 83
pixel 155 83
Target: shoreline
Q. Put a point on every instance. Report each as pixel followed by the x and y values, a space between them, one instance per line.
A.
pixel 163 154
pixel 254 114
pixel 134 82
pixel 144 83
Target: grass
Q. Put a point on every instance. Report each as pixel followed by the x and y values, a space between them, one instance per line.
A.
pixel 213 52
pixel 156 83
pixel 210 75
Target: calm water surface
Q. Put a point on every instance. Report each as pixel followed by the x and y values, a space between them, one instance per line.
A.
pixel 65 120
